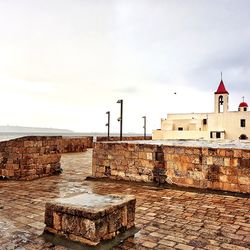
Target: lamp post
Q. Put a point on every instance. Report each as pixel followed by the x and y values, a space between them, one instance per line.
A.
pixel 108 124
pixel 144 126
pixel 120 118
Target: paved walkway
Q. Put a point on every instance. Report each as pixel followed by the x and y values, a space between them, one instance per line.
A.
pixel 168 218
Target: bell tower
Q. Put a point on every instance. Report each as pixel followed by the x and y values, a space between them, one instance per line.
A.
pixel 221 98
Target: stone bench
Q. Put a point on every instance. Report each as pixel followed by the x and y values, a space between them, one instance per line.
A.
pixel 90 218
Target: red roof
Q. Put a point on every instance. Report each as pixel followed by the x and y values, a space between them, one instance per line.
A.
pixel 243 104
pixel 221 89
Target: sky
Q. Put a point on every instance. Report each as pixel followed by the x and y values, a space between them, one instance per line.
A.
pixel 64 63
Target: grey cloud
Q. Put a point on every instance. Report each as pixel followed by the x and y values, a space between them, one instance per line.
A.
pixel 235 66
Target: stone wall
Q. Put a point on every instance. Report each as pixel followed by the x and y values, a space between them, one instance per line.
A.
pixel 201 167
pixel 76 144
pixel 30 157
pixel 124 138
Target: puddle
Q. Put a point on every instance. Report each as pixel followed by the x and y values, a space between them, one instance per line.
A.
pixel 91 200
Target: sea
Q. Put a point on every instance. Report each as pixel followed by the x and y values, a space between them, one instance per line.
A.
pixel 5 136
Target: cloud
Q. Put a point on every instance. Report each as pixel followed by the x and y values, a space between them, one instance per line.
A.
pixel 128 90
pixel 73 59
pixel 234 65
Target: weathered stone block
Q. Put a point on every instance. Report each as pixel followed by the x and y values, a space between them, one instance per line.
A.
pixel 223 178
pixel 57 221
pixel 237 153
pixel 243 180
pixel 221 152
pixel 210 160
pixel 227 162
pixel 90 218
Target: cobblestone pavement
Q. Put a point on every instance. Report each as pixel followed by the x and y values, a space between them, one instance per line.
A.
pixel 167 218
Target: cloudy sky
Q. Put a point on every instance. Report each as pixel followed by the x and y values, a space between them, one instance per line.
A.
pixel 64 63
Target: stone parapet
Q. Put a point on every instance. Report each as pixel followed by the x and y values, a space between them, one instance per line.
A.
pixel 90 218
pixel 30 157
pixel 124 138
pixel 200 167
pixel 76 144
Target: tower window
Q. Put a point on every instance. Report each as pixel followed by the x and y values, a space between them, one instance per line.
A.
pixel 204 121
pixel 217 135
pixel 221 102
pixel 180 128
pixel 211 134
pixel 245 108
pixel 243 123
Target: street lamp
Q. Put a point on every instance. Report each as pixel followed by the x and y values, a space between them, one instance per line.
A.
pixel 120 118
pixel 108 124
pixel 144 126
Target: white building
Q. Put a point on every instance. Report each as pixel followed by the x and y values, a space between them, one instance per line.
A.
pixel 222 124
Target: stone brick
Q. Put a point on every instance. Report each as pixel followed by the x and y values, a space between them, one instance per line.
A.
pixel 237 153
pixel 57 221
pixel 230 187
pixel 101 228
pixel 196 160
pixel 183 247
pixel 223 178
pixel 243 180
pixel 246 154
pixel 227 162
pixel 149 156
pixel 221 152
pixel 232 179
pixel 229 152
pixel 235 162
pixel 210 160
pixel 244 188
pixel 149 244
pixel 142 155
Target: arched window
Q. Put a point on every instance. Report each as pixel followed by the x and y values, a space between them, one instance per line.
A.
pixel 243 137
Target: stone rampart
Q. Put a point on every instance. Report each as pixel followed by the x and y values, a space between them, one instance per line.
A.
pixel 76 144
pixel 200 167
pixel 124 138
pixel 30 157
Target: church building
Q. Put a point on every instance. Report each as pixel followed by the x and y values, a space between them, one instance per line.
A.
pixel 221 124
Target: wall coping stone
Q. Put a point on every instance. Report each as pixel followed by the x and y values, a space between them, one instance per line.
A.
pixel 190 143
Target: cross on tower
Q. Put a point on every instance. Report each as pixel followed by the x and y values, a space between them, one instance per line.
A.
pixel 243 98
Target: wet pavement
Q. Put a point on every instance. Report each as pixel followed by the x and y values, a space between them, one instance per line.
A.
pixel 167 218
